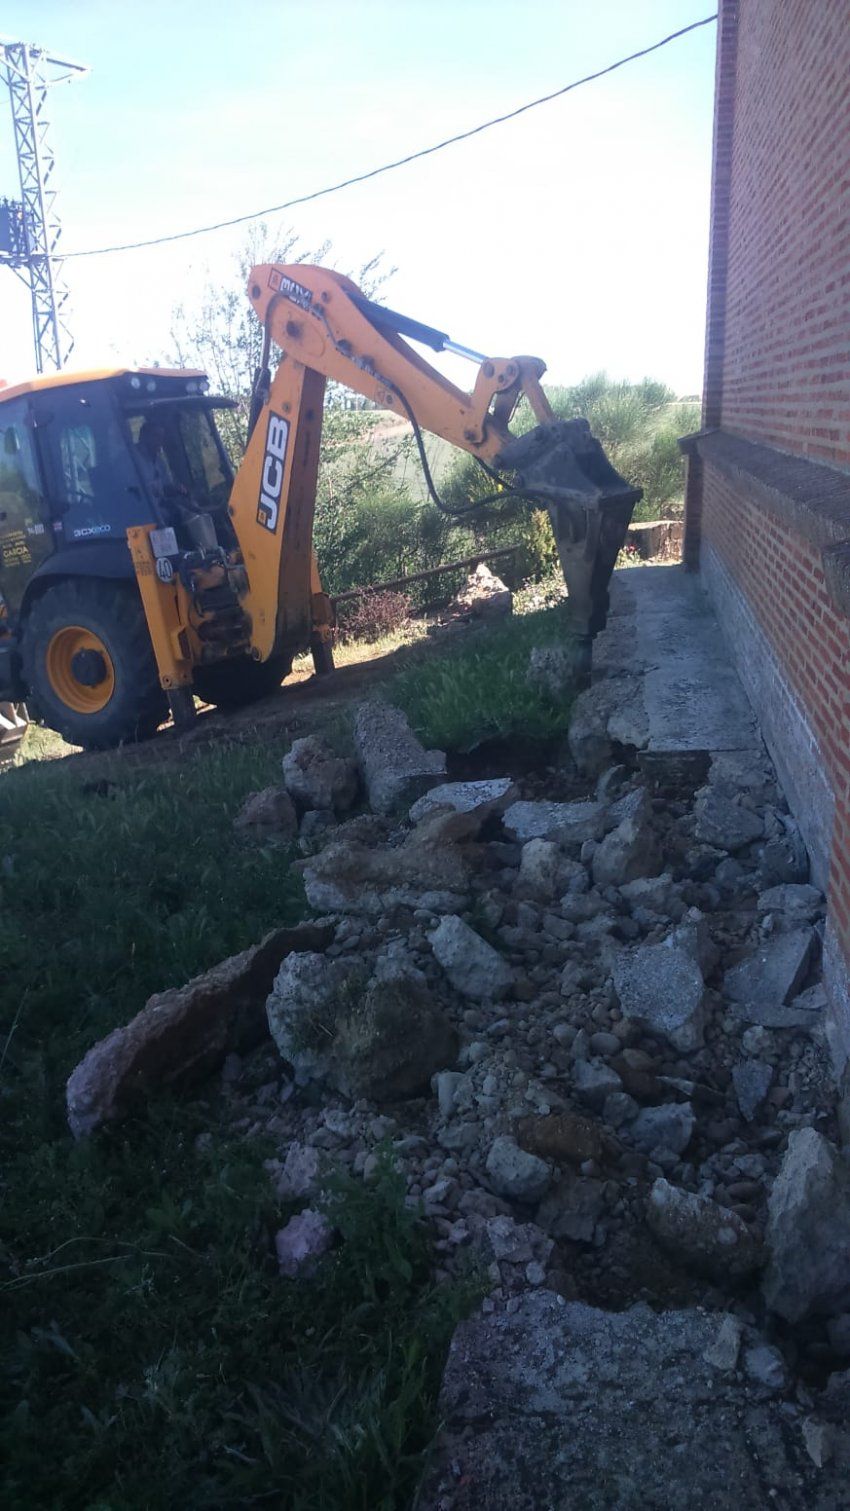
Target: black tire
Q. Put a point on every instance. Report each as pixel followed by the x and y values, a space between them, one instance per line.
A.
pixel 135 704
pixel 240 681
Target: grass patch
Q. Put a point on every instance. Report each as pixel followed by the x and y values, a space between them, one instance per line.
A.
pixel 159 1360
pixel 477 688
pixel 114 888
pixel 150 1355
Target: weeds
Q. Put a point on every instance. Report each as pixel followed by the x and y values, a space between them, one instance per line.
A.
pixel 374 616
pixel 480 690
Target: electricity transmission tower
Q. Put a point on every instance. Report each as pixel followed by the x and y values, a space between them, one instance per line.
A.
pixel 29 227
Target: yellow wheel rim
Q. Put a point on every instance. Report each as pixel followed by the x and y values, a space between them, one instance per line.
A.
pixel 80 669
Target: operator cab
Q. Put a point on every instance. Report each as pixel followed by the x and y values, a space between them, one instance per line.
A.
pixel 76 467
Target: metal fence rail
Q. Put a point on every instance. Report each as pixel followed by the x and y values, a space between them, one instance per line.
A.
pixel 398 584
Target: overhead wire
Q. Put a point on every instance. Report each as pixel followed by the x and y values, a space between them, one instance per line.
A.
pixel 411 157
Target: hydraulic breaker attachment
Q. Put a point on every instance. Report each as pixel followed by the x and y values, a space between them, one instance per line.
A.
pixel 590 505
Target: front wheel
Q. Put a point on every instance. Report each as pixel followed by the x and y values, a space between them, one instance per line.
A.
pixel 240 681
pixel 89 663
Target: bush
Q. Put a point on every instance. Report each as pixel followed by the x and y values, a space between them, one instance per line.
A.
pixel 373 616
pixel 639 425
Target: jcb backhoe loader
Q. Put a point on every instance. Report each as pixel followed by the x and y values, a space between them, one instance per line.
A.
pixel 137 570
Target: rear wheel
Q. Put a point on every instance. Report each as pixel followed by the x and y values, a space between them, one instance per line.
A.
pixel 240 681
pixel 90 666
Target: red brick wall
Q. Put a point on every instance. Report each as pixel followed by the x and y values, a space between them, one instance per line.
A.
pixel 778 373
pixel 786 347
pixel 780 575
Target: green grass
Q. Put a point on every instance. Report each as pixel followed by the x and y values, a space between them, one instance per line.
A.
pixel 150 1354
pixel 477 688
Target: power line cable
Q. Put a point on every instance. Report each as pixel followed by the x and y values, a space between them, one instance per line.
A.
pixel 412 157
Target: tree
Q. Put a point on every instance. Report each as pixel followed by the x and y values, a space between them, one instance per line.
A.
pixel 220 333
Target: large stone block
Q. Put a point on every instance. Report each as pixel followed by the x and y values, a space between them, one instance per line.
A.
pixel 396 767
pixel 183 1034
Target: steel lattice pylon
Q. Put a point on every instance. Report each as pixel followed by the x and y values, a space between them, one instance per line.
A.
pixel 29 228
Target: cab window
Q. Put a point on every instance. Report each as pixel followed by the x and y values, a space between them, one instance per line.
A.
pixel 204 457
pixel 23 536
pixel 78 451
pixel 20 493
pixel 94 487
pixel 190 455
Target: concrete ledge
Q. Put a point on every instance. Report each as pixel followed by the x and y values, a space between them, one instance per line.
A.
pixel 811 498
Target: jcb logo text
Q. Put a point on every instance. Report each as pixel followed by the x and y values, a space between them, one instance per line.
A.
pixel 277 437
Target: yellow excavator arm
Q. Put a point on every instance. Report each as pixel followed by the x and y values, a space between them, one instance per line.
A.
pixel 323 327
pixel 326 329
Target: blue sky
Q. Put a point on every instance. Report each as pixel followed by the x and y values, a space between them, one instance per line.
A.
pixel 577 233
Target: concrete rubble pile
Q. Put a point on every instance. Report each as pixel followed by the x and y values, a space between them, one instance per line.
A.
pixel 583 1015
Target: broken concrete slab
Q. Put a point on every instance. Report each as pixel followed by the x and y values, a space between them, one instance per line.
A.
pixel 558 1404
pixel 382 1039
pixel 572 1208
pixel 702 1234
pixel 481 798
pixel 473 967
pixel 733 772
pixel 483 595
pixel 752 1080
pixel 630 851
pixel 785 857
pixel 515 1174
pixel 723 1352
pixel 425 871
pixel 397 769
pixel 662 990
pixel 566 823
pixel 808 1230
pixel 610 708
pixel 723 824
pixel 593 1081
pixel 552 670
pixel 669 1126
pixel 183 1034
pixel 768 979
pixel 315 777
pixel 797 902
pixel 541 871
pixel 664 685
pixel 302 1243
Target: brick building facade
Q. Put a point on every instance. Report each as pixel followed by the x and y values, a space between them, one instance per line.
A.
pixel 768 493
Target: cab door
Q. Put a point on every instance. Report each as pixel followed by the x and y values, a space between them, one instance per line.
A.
pixel 25 538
